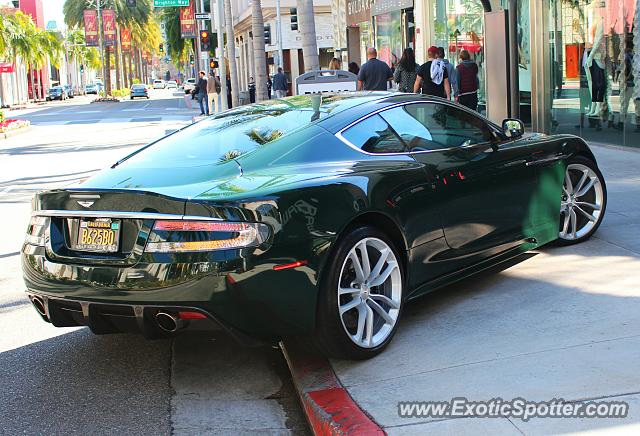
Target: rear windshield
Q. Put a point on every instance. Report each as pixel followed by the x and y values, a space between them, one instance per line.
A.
pixel 216 140
pixel 138 87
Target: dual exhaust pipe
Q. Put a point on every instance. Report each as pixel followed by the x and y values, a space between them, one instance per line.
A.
pixel 39 304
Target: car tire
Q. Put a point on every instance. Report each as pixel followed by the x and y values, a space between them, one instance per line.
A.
pixel 584 201
pixel 357 315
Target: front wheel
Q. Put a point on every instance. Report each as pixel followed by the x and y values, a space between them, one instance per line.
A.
pixel 584 201
pixel 361 296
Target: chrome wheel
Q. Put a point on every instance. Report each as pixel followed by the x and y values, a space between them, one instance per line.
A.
pixel 582 202
pixel 369 292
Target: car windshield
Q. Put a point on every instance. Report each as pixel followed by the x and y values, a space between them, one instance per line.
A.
pixel 238 131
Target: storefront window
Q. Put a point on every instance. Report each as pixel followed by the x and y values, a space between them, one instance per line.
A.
pixel 389 37
pixel 594 66
pixel 524 60
pixel 459 26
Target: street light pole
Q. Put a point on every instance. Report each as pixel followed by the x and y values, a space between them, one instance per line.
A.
pixel 219 16
pixel 100 43
pixel 279 33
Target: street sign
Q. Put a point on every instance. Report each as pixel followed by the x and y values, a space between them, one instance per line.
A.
pixel 203 16
pixel 204 55
pixel 169 3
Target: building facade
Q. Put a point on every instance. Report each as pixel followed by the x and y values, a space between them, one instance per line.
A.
pixel 561 66
pixel 292 59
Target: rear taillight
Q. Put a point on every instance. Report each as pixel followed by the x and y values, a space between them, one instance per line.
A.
pixel 36 232
pixel 174 236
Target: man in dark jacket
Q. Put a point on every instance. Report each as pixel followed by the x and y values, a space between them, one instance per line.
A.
pixel 467 89
pixel 374 74
pixel 202 94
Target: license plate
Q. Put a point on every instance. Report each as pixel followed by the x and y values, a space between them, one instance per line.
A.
pixel 100 235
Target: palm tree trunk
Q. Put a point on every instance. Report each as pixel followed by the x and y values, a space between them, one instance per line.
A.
pixel 107 72
pixel 308 31
pixel 33 83
pixel 260 61
pixel 231 53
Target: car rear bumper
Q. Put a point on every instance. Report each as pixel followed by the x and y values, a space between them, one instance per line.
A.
pixel 237 290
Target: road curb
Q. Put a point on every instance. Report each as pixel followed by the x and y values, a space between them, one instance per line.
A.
pixel 329 408
pixel 10 133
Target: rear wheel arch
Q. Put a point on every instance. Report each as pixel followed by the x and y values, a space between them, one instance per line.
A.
pixel 385 224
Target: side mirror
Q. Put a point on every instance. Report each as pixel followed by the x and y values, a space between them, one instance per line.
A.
pixel 513 128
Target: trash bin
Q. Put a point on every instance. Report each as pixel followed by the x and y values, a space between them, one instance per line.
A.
pixel 244 97
pixel 315 82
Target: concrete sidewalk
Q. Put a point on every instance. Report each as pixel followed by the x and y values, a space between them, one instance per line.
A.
pixel 561 324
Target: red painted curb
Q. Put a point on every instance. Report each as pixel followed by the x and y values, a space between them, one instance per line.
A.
pixel 329 408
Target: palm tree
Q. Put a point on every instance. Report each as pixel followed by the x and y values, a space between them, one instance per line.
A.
pixel 125 17
pixel 80 53
pixel 308 31
pixel 231 53
pixel 260 61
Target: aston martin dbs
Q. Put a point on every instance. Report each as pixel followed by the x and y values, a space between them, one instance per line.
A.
pixel 309 216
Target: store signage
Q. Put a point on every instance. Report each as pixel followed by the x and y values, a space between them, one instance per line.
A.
pixel 169 3
pixel 109 27
pixel 187 22
pixel 384 6
pixel 91 27
pixel 358 11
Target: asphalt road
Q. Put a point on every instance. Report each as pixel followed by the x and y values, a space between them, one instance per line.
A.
pixel 56 381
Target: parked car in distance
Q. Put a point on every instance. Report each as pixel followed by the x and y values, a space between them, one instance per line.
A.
pixel 172 84
pixel 159 84
pixel 189 85
pixel 92 88
pixel 57 93
pixel 69 90
pixel 139 90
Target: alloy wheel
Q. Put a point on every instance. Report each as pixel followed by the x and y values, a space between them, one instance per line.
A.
pixel 582 202
pixel 369 292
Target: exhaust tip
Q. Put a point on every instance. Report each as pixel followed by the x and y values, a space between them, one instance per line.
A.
pixel 167 322
pixel 38 303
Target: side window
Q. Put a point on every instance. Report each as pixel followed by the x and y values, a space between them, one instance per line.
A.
pixel 466 128
pixel 433 126
pixel 374 135
pixel 421 126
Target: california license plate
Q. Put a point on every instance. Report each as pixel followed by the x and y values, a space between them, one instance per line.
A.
pixel 99 235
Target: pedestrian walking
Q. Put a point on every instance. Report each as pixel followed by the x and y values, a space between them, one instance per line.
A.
pixel 213 93
pixel 374 74
pixel 407 71
pixel 468 84
pixel 252 90
pixel 269 86
pixel 203 100
pixel 354 68
pixel 280 84
pixel 451 71
pixel 335 64
pixel 229 100
pixel 432 77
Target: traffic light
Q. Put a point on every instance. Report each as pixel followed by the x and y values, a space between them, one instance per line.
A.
pixel 213 64
pixel 294 18
pixel 161 48
pixel 81 69
pixel 131 3
pixel 205 41
pixel 267 34
pixel 191 61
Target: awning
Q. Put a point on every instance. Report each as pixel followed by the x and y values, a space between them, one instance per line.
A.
pixel 6 67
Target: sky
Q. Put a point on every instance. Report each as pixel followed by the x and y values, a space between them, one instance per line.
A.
pixel 52 10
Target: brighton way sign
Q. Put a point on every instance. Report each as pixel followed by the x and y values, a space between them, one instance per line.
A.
pixel 169 3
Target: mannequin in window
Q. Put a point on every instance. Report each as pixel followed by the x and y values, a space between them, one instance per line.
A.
pixel 595 64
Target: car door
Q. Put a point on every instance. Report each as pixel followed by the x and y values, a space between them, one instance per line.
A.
pixel 483 184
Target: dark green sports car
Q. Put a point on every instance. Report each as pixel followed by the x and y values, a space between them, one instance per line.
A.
pixel 310 216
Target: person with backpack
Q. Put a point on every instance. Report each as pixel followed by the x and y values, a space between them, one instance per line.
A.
pixel 467 89
pixel 451 69
pixel 213 92
pixel 433 78
pixel 406 71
